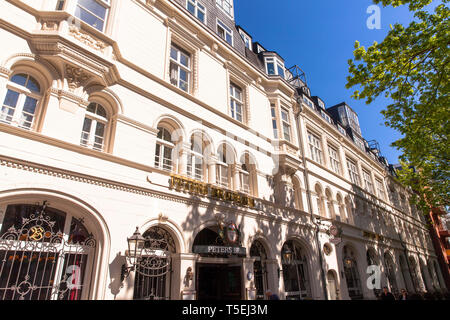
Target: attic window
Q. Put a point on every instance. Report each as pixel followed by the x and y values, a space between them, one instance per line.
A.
pixel 247 40
pixel 275 67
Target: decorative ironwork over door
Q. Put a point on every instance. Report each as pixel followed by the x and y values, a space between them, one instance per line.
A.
pixel 154 268
pixel 44 254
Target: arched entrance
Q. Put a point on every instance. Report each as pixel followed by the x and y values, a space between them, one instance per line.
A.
pixel 390 273
pixel 295 271
pixel 45 254
pixel 219 268
pixel 332 286
pixel 351 274
pixel 258 252
pixel 153 272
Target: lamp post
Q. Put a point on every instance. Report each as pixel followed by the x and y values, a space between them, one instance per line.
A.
pixel 136 244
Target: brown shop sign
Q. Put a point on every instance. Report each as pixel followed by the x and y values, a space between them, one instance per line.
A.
pixel 206 190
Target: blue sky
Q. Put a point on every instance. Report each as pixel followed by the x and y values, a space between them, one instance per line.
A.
pixel 319 36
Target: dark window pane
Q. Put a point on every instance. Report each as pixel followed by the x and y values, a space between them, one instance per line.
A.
pixel 20 79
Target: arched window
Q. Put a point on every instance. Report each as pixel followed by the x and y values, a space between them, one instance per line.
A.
pixel 438 275
pixel 195 162
pixel 258 252
pixel 406 274
pixel 414 275
pixel 153 270
pixel 21 101
pixel 425 277
pixel 223 167
pixel 164 150
pixel 351 274
pixel 341 208
pixel 320 201
pixel 372 261
pixel 390 273
pixel 349 209
pixel 298 203
pixel 247 175
pixel 295 271
pixel 45 254
pixel 330 204
pixel 93 134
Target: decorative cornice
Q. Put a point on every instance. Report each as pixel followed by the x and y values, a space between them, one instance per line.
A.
pixel 87 39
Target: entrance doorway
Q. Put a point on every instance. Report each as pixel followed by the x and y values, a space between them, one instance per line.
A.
pixel 331 286
pixel 219 282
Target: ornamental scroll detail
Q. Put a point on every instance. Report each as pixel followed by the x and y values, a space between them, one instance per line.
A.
pixel 38 262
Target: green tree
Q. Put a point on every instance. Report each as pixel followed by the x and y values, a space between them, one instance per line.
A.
pixel 411 68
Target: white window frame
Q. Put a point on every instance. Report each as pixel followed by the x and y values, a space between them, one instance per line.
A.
pixel 104 3
pixel 220 4
pixel 163 145
pixel 95 120
pixel 286 124
pixel 244 177
pixel 247 40
pixel 277 64
pixel 367 181
pixel 315 147
pixel 353 172
pixel 380 188
pixel 273 112
pixel 325 116
pixel 308 102
pixel 335 162
pixel 180 66
pixel 23 92
pixel 226 30
pixel 235 102
pixel 196 4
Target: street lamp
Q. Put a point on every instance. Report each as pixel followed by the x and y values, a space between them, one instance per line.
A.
pixel 287 255
pixel 136 244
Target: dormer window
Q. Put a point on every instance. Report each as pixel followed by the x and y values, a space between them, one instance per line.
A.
pixel 308 102
pixel 325 116
pixel 197 9
pixel 321 104
pixel 224 32
pixel 226 5
pixel 274 67
pixel 342 130
pixel 247 40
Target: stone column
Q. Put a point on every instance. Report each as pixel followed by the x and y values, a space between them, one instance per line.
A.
pixel 182 150
pixel 212 161
pixel 274 283
pixel 343 160
pixel 236 185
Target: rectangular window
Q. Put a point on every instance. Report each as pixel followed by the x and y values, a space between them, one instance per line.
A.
pixel 247 40
pixel 224 32
pixel 197 10
pixel 226 5
pixel 367 181
pixel 359 143
pixel 325 116
pixel 274 67
pixel 180 68
pixel 308 102
pixel 236 102
pixel 60 5
pixel 273 111
pixel 315 148
pixel 286 124
pixel 380 189
pixel 334 160
pixel 93 12
pixel 353 172
pixel 342 130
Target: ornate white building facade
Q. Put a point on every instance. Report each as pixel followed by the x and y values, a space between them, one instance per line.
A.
pixel 166 116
